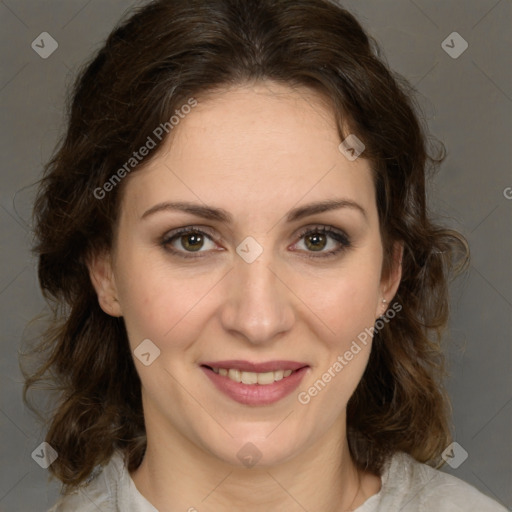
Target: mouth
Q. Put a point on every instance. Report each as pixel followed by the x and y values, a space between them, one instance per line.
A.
pixel 255 383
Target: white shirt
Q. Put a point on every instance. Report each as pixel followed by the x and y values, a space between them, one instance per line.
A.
pixel 407 486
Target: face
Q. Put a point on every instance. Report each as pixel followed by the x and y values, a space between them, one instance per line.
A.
pixel 247 278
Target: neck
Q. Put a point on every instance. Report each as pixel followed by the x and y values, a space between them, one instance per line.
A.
pixel 178 475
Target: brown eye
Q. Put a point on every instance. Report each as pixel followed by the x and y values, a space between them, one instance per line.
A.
pixel 188 240
pixel 192 241
pixel 316 241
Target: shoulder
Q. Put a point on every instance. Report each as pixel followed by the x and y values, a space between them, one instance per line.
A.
pixel 98 493
pixel 409 485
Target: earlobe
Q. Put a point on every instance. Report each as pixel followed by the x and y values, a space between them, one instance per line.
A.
pixel 103 281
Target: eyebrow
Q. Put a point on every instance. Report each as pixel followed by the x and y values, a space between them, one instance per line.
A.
pixel 221 215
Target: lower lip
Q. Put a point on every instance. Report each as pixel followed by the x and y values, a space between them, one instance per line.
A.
pixel 256 394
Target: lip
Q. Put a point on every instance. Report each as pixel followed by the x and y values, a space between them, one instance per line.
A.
pixel 256 394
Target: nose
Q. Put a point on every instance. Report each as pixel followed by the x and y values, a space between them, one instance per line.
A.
pixel 258 304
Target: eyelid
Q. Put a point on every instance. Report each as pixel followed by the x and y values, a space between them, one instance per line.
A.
pixel 190 228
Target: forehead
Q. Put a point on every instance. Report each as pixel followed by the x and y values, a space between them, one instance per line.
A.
pixel 259 147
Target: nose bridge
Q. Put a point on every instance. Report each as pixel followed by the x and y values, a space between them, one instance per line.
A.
pixel 258 305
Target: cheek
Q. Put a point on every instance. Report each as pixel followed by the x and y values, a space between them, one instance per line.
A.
pixel 352 306
pixel 157 302
pixel 347 309
pixel 345 301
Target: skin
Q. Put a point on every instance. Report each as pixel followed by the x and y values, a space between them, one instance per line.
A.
pixel 256 151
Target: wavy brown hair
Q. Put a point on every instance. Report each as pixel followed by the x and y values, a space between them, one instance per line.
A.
pixel 163 54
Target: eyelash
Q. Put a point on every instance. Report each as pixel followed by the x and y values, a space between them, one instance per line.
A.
pixel 338 236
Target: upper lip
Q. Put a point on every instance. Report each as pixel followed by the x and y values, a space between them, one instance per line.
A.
pixel 247 366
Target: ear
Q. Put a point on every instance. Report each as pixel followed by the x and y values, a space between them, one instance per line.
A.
pixel 103 281
pixel 390 280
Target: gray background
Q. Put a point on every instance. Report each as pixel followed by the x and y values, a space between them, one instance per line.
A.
pixel 467 102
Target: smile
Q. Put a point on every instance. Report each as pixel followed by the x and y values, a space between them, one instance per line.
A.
pixel 255 383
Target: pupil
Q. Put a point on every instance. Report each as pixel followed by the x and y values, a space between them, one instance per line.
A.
pixel 193 241
pixel 318 241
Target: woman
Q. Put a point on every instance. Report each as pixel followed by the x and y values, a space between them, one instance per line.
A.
pixel 249 293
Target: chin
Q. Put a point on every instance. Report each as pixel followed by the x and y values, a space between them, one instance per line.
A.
pixel 251 449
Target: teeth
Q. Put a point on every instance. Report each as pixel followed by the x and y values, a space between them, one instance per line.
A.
pixel 253 377
pixel 249 377
pixel 235 375
pixel 265 378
